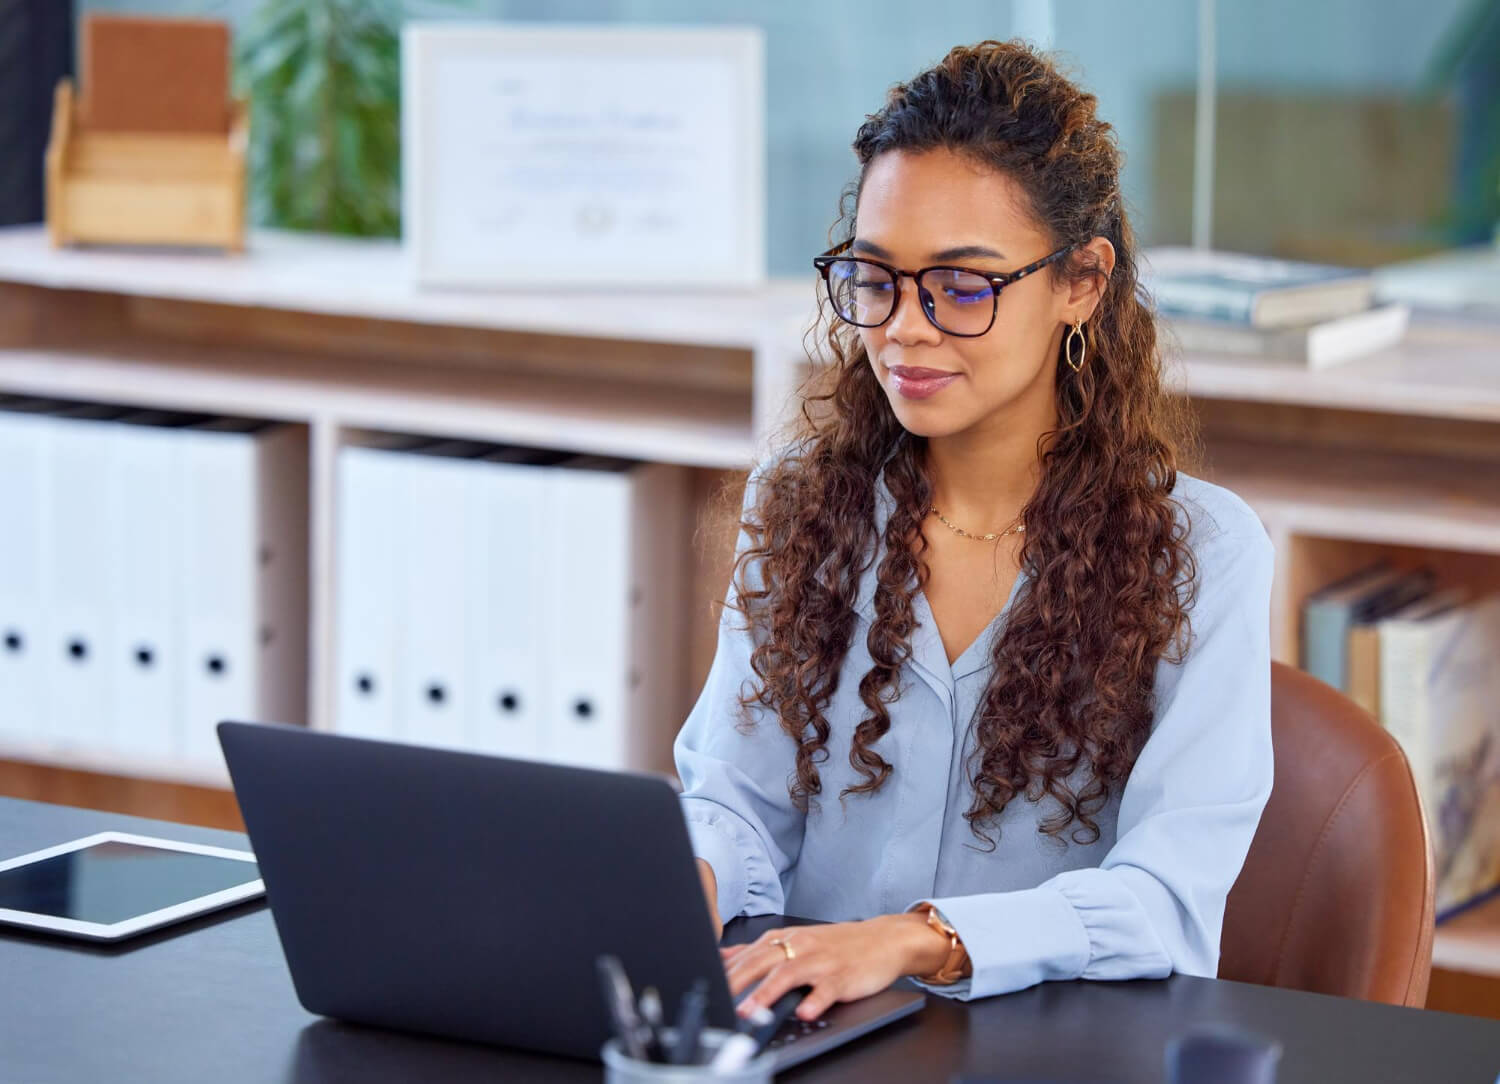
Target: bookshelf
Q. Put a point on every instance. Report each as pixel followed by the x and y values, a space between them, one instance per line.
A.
pixel 1444 369
pixel 1395 455
pixel 325 333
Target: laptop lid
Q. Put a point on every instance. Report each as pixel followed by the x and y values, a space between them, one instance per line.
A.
pixel 466 895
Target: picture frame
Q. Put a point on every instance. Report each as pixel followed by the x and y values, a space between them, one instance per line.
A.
pixel 544 155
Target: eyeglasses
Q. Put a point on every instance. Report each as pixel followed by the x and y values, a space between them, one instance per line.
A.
pixel 956 300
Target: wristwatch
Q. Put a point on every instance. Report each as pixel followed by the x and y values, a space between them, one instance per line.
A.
pixel 956 966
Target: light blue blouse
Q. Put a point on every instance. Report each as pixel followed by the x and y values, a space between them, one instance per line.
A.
pixel 1145 900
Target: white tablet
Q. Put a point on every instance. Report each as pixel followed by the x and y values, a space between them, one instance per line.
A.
pixel 113 885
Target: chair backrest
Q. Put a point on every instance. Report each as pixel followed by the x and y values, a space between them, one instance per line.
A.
pixel 152 74
pixel 1336 895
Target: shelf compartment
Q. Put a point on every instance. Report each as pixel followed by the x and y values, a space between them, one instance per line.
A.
pixel 670 425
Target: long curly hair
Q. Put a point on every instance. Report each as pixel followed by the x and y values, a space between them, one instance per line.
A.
pixel 1111 575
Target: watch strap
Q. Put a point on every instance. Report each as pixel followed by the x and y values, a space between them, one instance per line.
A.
pixel 953 968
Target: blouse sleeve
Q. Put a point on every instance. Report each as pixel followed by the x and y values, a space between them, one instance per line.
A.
pixel 740 817
pixel 1187 814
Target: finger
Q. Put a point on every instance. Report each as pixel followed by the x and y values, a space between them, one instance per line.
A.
pixel 729 952
pixel 746 952
pixel 749 967
pixel 818 1002
pixel 758 950
pixel 752 966
pixel 781 978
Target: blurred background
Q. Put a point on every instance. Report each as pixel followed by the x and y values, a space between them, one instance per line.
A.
pixel 1366 132
pixel 268 451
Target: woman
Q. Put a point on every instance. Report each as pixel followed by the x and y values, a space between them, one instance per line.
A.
pixel 992 690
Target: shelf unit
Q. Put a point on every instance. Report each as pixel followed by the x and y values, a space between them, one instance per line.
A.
pixel 1443 369
pixel 1397 457
pixel 328 333
pixel 1396 454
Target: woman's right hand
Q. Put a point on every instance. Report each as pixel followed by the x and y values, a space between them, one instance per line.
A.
pixel 711 894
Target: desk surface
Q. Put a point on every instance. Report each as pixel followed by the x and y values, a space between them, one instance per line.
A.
pixel 212 1000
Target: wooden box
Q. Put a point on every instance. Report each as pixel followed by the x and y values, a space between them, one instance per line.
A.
pixel 153 150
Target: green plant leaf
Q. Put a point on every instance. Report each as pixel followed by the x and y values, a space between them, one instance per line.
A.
pixel 324 82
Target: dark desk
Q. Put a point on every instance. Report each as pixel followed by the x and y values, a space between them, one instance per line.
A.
pixel 212 1002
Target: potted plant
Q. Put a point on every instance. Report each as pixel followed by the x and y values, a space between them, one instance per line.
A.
pixel 324 82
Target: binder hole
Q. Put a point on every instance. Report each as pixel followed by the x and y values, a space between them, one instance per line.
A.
pixel 584 709
pixel 78 650
pixel 14 641
pixel 144 656
pixel 267 635
pixel 216 665
pixel 436 694
pixel 509 702
pixel 635 596
pixel 365 684
pixel 265 556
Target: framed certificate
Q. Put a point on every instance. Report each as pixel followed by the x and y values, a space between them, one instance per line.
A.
pixel 588 156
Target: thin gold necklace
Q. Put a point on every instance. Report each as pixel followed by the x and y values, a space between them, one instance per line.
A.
pixel 1017 527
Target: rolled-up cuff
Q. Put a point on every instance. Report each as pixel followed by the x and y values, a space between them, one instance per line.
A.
pixel 715 840
pixel 1014 940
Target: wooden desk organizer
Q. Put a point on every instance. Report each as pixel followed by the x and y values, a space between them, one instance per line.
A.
pixel 153 150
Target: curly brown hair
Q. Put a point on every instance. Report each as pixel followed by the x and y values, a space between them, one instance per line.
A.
pixel 1111 575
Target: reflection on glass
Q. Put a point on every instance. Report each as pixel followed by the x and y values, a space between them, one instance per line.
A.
pixel 110 882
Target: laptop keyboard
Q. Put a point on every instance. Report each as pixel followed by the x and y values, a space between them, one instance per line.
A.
pixel 793 1030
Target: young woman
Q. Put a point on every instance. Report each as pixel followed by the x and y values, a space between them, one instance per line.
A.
pixel 992 689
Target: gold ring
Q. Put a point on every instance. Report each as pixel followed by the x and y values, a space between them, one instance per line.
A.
pixel 785 948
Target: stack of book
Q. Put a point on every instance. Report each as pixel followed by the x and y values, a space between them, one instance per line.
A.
pixel 1282 310
pixel 1422 659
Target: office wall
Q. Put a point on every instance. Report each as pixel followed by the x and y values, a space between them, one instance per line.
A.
pixel 829 63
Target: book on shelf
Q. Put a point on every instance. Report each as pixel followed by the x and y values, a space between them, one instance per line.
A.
pixel 1253 291
pixel 1362 668
pixel 1440 699
pixel 1318 345
pixel 1458 281
pixel 1329 613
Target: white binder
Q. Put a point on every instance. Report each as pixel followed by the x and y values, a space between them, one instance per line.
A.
pixel 437 518
pixel 79 641
pixel 616 542
pixel 366 588
pixel 242 524
pixel 143 579
pixel 507 573
pixel 24 440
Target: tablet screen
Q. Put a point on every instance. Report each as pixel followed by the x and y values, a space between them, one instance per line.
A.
pixel 113 881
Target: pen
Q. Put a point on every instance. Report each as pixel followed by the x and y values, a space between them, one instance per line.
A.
pixel 690 1024
pixel 620 1000
pixel 765 1023
pixel 656 1047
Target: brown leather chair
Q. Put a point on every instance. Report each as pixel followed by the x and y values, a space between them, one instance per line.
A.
pixel 1337 892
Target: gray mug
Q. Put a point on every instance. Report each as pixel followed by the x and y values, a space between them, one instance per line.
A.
pixel 1222 1056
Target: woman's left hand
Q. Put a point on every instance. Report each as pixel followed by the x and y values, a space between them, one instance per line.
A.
pixel 841 961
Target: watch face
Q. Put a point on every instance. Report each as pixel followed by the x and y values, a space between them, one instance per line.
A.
pixel 936 920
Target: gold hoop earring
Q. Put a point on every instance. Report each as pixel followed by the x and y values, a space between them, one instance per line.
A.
pixel 1083 347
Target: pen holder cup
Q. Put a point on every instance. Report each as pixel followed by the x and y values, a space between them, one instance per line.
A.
pixel 621 1068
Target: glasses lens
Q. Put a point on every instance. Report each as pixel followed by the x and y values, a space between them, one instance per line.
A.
pixel 958 301
pixel 862 293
